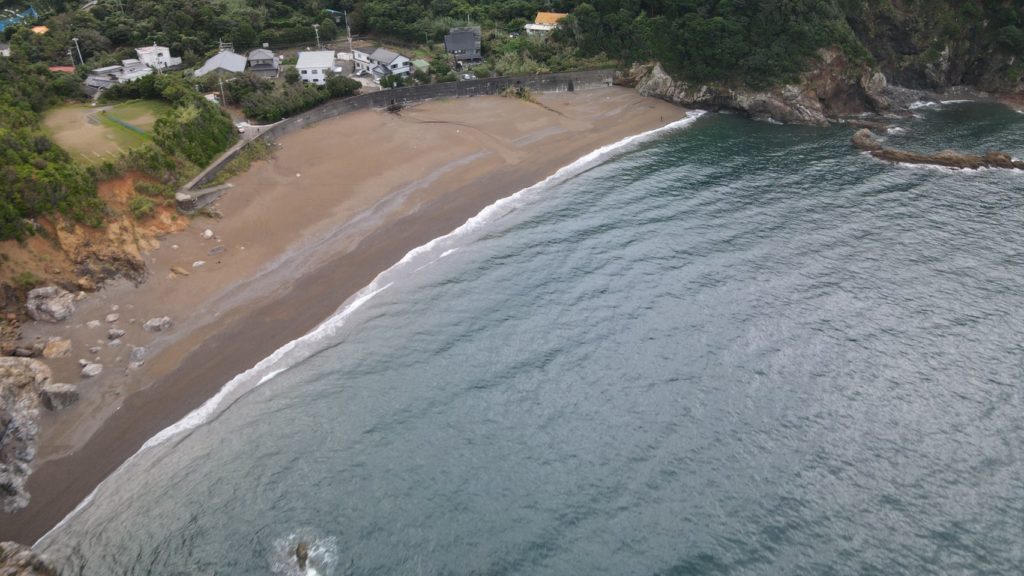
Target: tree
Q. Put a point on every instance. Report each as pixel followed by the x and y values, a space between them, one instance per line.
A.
pixel 392 81
pixel 339 86
pixel 291 75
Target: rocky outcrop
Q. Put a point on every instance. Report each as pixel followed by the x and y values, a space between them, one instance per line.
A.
pixel 832 89
pixel 50 304
pixel 18 560
pixel 865 140
pixel 21 380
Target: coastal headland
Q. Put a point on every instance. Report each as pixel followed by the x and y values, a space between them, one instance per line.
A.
pixel 339 202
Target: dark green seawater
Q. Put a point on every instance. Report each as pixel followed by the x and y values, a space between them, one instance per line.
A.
pixel 735 348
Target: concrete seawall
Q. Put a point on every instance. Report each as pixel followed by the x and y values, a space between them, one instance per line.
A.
pixel 192 196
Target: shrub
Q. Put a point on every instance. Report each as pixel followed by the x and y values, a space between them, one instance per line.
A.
pixel 141 207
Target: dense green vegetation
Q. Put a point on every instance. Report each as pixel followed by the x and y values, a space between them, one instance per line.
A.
pixel 36 176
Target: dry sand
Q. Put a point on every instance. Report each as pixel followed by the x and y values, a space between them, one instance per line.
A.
pixel 340 202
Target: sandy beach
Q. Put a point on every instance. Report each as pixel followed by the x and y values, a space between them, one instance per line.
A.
pixel 338 203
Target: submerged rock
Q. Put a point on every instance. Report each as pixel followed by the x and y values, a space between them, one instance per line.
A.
pixel 50 304
pixel 21 380
pixel 865 140
pixel 19 560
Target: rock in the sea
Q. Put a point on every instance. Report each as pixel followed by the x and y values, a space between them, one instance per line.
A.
pixel 91 369
pixel 114 333
pixel 57 348
pixel 50 304
pixel 20 382
pixel 19 560
pixel 111 318
pixel 58 396
pixel 157 324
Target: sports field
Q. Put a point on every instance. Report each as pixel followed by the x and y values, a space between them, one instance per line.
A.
pixel 93 134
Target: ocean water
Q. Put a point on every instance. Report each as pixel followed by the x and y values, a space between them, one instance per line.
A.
pixel 731 348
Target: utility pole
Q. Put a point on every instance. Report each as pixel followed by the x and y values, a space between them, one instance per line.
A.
pixel 72 56
pixel 220 78
pixel 316 28
pixel 348 32
pixel 75 40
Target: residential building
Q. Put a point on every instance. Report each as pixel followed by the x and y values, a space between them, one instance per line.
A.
pixel 262 62
pixel 107 76
pixel 380 63
pixel 463 44
pixel 314 67
pixel 5 50
pixel 225 62
pixel 544 23
pixel 62 69
pixel 40 29
pixel 157 57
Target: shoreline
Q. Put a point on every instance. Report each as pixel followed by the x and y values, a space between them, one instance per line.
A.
pixel 287 290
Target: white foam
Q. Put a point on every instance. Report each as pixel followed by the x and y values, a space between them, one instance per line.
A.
pixel 924 104
pixel 279 360
pixel 944 102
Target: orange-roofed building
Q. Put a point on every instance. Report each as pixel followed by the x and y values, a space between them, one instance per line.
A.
pixel 64 69
pixel 40 29
pixel 544 22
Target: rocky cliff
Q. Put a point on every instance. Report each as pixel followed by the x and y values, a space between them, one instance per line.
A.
pixel 21 381
pixel 833 88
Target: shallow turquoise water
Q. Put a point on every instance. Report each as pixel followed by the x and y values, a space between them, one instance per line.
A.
pixel 735 349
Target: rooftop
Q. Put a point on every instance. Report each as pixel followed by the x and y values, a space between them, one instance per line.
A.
pixel 549 18
pixel 261 54
pixel 384 56
pixel 150 49
pixel 316 59
pixel 228 61
pixel 462 40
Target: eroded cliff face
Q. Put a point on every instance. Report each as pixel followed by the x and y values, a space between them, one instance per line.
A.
pixel 833 88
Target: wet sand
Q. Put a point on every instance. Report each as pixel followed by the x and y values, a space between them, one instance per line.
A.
pixel 340 202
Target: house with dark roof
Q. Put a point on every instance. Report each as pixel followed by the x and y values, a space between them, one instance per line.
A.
pixel 380 63
pixel 464 44
pixel 262 62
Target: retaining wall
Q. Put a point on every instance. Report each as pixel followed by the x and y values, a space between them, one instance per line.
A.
pixel 557 82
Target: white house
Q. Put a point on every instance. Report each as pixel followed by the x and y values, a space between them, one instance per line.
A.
pixel 314 66
pixel 107 76
pixel 381 63
pixel 158 57
pixel 5 50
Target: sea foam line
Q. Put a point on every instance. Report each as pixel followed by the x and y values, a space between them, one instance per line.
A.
pixel 330 326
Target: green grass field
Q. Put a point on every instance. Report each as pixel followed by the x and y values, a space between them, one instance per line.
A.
pixel 93 134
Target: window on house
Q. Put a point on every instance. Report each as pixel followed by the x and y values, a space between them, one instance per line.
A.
pixel 305 71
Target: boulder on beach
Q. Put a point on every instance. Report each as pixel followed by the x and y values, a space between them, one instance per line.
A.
pixel 111 318
pixel 92 369
pixel 114 333
pixel 50 304
pixel 57 348
pixel 157 324
pixel 58 396
pixel 21 380
pixel 19 560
